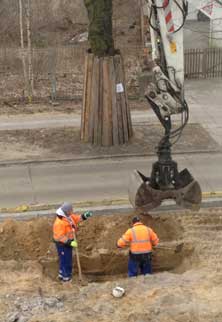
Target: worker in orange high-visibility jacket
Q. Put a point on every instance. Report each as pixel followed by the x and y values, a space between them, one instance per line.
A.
pixel 141 240
pixel 64 232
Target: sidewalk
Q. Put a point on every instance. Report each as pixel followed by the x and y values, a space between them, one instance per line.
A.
pixel 49 120
pixel 205 102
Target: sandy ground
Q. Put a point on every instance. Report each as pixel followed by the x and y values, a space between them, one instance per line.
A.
pixel 186 285
pixel 61 143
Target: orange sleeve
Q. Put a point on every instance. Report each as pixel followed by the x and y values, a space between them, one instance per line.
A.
pixel 125 239
pixel 153 237
pixel 76 218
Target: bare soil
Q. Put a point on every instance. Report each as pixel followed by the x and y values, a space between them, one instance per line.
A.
pixel 186 285
pixel 64 143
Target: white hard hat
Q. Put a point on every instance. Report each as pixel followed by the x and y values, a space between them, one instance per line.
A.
pixel 66 207
pixel 118 291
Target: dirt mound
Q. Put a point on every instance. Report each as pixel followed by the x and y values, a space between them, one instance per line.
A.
pixel 32 240
pixel 24 240
pixel 182 242
pixel 28 294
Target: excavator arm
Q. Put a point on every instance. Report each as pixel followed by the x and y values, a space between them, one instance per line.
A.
pixel 165 96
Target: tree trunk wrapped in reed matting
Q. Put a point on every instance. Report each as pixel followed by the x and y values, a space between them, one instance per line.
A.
pixel 105 116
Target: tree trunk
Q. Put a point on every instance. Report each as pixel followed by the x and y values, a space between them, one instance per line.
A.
pixel 100 26
pixel 105 116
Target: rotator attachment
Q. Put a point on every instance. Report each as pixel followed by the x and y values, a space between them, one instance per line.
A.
pixel 165 182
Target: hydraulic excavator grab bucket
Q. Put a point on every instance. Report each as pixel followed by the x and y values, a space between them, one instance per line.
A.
pixel 143 197
pixel 165 95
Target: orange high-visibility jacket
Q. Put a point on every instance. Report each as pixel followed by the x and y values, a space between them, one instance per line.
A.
pixel 63 228
pixel 140 238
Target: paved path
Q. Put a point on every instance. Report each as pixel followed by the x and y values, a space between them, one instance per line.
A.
pixel 93 179
pixel 45 120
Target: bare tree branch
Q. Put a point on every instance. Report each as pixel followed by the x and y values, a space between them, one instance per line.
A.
pixel 23 53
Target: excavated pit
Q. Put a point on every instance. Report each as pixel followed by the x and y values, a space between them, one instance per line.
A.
pixel 100 259
pixel 185 287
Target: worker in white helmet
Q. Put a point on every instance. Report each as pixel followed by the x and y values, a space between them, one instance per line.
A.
pixel 64 232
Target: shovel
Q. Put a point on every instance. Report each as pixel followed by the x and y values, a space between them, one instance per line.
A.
pixel 78 259
pixel 83 282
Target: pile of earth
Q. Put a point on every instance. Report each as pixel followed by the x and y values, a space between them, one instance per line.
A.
pixel 186 285
pixel 32 240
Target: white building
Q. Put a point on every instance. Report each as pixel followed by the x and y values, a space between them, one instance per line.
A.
pixel 192 9
pixel 210 10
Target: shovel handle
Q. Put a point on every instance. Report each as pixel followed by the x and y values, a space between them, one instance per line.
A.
pixel 78 259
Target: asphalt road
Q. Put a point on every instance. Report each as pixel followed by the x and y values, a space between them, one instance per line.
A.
pixel 93 180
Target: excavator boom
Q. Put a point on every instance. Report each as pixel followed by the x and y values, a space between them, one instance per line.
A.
pixel 165 96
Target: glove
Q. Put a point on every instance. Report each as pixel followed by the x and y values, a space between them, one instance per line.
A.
pixel 74 244
pixel 118 246
pixel 87 214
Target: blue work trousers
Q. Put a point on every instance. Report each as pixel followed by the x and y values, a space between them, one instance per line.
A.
pixel 138 266
pixel 65 262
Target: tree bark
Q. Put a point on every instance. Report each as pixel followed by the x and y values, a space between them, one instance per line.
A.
pixel 106 117
pixel 100 27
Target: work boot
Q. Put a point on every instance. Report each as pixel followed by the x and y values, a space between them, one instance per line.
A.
pixel 67 280
pixel 59 278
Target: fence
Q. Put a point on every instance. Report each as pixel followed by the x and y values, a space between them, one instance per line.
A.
pixel 203 63
pixel 58 72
